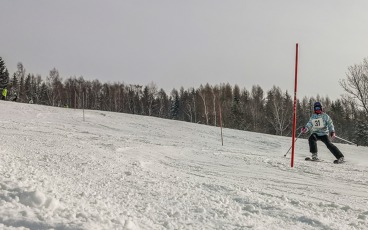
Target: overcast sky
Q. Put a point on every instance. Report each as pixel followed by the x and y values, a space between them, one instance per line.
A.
pixel 189 42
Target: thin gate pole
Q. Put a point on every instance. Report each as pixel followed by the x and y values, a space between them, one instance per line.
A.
pixel 222 139
pixel 294 117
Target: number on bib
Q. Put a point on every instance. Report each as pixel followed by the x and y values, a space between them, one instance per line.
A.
pixel 318 123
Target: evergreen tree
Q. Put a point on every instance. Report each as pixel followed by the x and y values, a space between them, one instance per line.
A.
pixel 257 109
pixel 43 94
pixel 162 102
pixel 15 85
pixel 186 105
pixel 338 116
pixel 4 75
pixel 361 132
pixel 245 110
pixel 148 99
pixel 236 115
pixel 22 93
pixel 303 112
pixel 28 88
pixel 175 103
pixel 226 98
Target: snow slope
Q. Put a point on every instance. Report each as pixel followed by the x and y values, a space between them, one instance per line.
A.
pixel 120 171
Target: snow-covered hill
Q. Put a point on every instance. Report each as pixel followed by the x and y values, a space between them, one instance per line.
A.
pixel 120 171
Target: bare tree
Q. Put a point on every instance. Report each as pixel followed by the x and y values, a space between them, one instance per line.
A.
pixel 96 88
pixel 54 86
pixel 163 103
pixel 356 84
pixel 190 108
pixel 204 94
pixel 187 105
pixel 278 110
pixel 37 88
pixel 256 107
pixel 215 97
pixel 149 95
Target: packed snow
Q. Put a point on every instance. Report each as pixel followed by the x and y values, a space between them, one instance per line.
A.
pixel 62 170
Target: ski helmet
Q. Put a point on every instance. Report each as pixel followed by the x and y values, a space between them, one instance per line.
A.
pixel 318 108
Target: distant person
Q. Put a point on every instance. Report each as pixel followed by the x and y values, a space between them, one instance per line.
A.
pixel 4 93
pixel 15 98
pixel 321 128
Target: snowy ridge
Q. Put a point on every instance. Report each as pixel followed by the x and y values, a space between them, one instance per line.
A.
pixel 121 171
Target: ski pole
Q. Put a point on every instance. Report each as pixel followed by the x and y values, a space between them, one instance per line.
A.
pixel 346 140
pixel 294 142
pixel 295 129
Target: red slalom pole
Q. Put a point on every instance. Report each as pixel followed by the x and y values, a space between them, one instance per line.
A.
pixel 294 116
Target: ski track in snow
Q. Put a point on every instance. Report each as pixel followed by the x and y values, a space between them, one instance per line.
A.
pixel 121 171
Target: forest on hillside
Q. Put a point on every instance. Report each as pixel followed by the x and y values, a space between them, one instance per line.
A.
pixel 250 109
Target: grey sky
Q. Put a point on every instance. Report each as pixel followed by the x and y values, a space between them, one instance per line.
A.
pixel 190 42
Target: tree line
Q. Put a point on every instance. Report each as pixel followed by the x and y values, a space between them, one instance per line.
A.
pixel 253 110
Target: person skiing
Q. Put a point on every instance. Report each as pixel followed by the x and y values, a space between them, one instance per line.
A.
pixel 4 92
pixel 15 97
pixel 320 125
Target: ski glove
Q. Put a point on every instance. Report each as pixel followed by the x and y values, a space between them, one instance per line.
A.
pixel 304 130
pixel 333 135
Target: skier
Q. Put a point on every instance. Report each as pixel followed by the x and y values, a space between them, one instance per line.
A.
pixel 15 97
pixel 320 126
pixel 4 92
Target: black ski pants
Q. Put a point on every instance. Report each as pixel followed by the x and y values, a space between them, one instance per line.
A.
pixel 313 145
